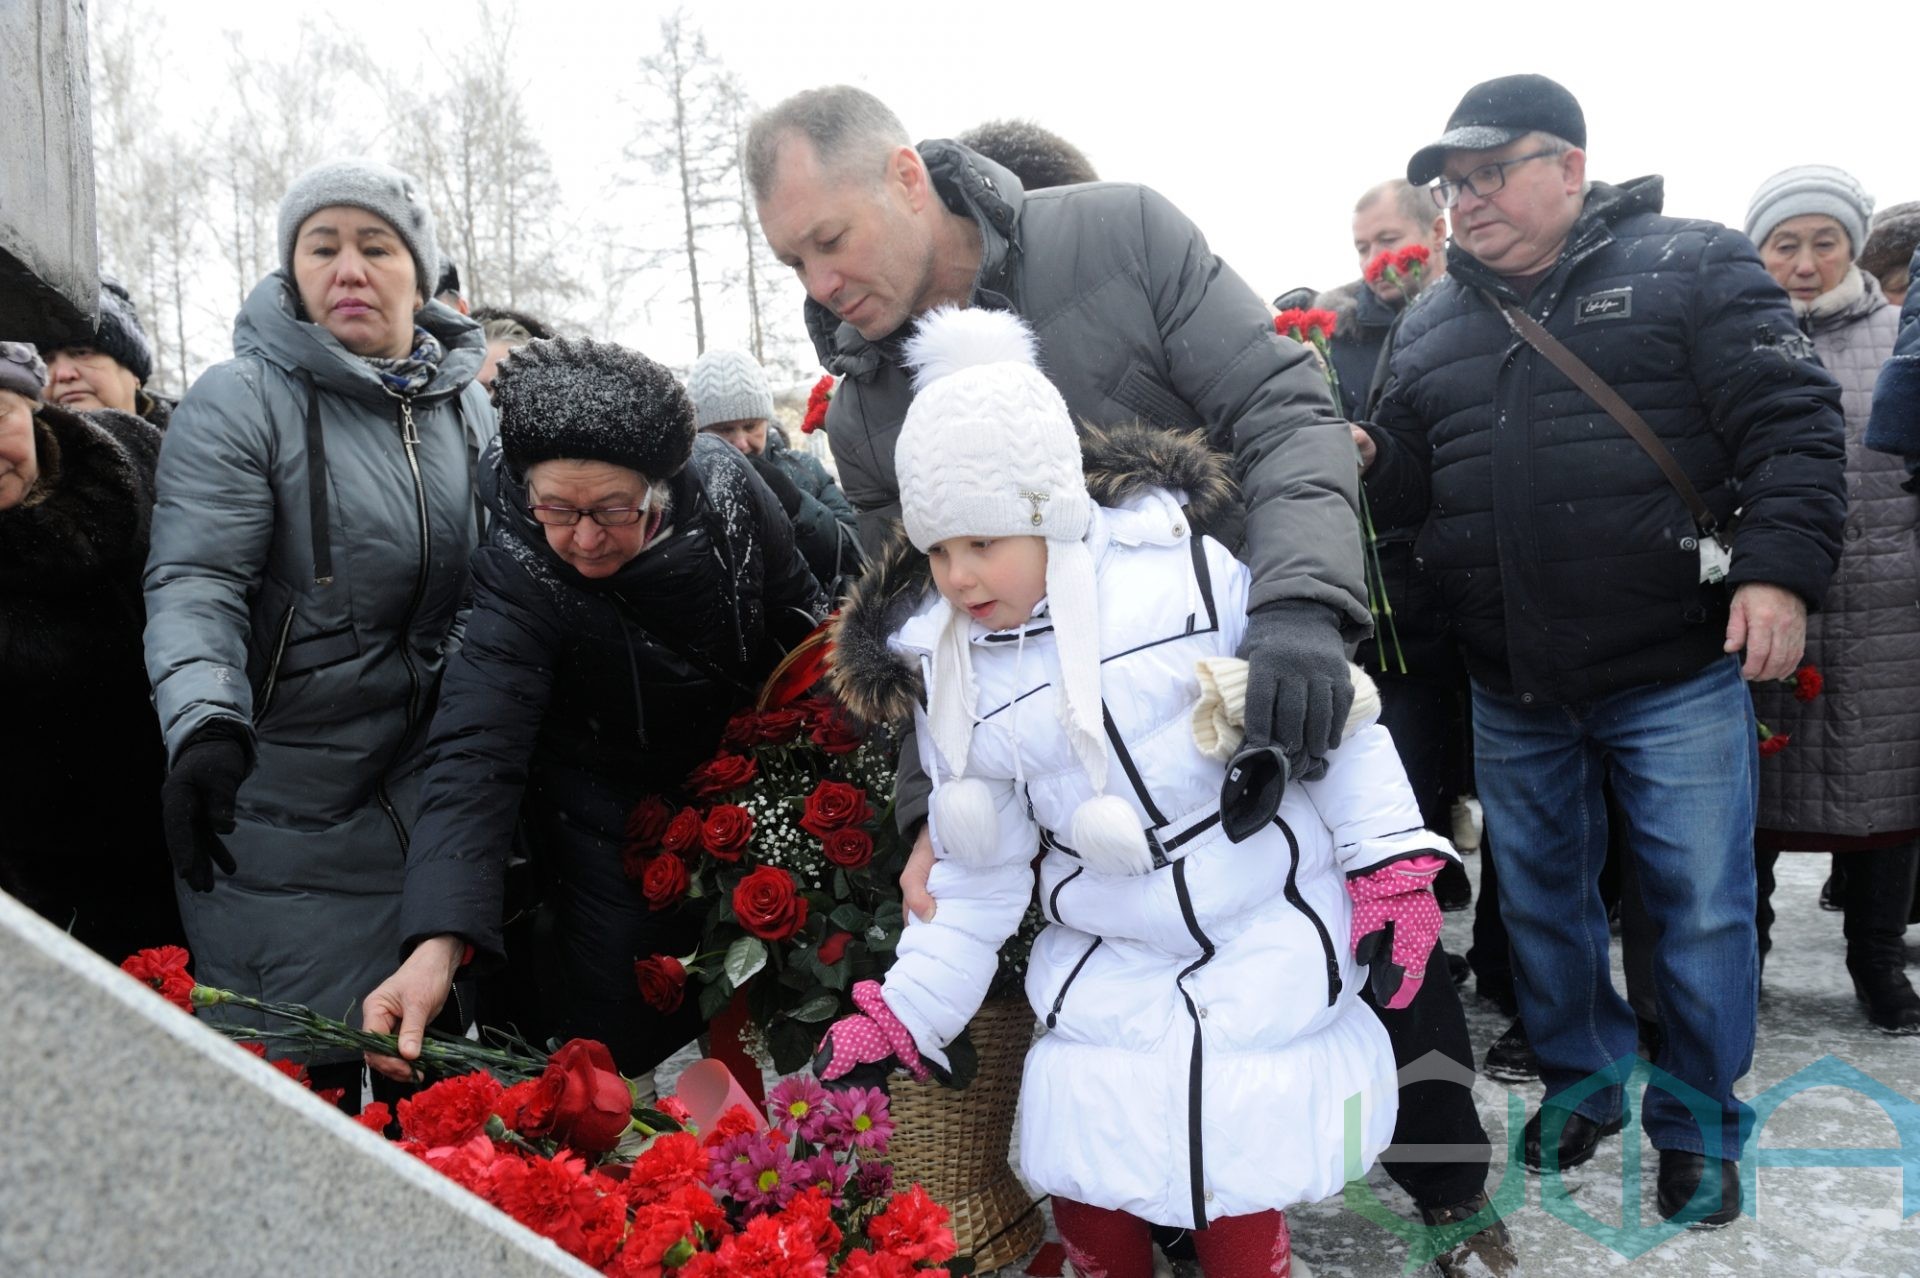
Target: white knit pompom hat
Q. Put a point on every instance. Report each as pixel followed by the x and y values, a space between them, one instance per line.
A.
pixel 988 449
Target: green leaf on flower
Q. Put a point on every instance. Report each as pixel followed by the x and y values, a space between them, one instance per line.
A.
pixel 817 1008
pixel 745 957
pixel 850 918
pixel 790 1044
pixel 714 998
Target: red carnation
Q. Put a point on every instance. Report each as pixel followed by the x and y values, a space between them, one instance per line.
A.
pixel 1411 257
pixel 670 1162
pixel 663 881
pixel 663 981
pixel 727 831
pixel 812 1207
pixel 165 969
pixel 834 948
pixel 1773 743
pixel 451 1111
pixel 1291 323
pixel 376 1117
pixel 528 1108
pixel 769 905
pixel 555 1197
pixel 849 849
pixel 913 1226
pixel 737 1121
pixel 817 400
pixel 1807 683
pixel 683 833
pixel 720 774
pixel 595 1107
pixel 835 805
pixel 1319 324
pixel 647 823
pixel 1378 266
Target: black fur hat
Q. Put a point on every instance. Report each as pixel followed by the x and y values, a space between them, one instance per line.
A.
pixel 119 333
pixel 583 400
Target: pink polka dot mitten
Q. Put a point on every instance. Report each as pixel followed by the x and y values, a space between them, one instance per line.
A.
pixel 872 1036
pixel 1395 923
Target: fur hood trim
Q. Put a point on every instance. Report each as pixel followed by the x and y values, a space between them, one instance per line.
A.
pixel 871 681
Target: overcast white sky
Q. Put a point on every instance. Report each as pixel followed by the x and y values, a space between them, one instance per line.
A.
pixel 1263 122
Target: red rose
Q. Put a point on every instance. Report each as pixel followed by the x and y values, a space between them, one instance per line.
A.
pixel 647 823
pixel 528 1107
pixel 768 905
pixel 834 733
pixel 595 1105
pixel 835 805
pixel 165 969
pixel 777 727
pixel 683 833
pixel 664 881
pixel 738 734
pixel 727 832
pixel 849 849
pixel 633 862
pixel 721 773
pixel 663 981
pixel 1807 683
pixel 834 948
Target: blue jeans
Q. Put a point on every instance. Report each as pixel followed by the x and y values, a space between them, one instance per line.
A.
pixel 1686 773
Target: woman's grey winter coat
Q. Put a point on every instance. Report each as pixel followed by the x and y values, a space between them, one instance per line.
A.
pixel 327 655
pixel 1853 766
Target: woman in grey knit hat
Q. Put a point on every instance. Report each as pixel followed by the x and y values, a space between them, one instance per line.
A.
pixel 316 512
pixel 1849 780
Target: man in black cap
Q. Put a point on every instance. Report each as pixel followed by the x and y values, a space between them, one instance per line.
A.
pixel 1608 608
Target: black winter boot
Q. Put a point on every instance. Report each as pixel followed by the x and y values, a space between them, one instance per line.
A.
pixel 1877 890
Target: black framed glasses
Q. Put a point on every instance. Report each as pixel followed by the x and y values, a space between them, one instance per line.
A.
pixel 605 516
pixel 1483 181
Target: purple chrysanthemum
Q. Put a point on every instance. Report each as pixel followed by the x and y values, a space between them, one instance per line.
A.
pixel 799 1106
pixel 767 1181
pixel 825 1171
pixel 874 1180
pixel 861 1120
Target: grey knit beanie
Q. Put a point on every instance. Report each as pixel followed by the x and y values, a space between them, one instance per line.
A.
pixel 370 185
pixel 21 370
pixel 1811 188
pixel 729 386
pixel 119 333
pixel 583 400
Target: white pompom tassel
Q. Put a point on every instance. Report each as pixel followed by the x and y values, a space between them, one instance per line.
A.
pixel 1108 837
pixel 965 821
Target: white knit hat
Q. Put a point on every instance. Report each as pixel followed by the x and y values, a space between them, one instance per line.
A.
pixel 1811 188
pixel 988 449
pixel 729 386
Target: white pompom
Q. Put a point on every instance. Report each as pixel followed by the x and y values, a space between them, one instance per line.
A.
pixel 951 338
pixel 1366 701
pixel 965 821
pixel 1108 837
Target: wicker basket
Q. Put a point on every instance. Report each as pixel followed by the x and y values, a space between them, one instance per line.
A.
pixel 955 1143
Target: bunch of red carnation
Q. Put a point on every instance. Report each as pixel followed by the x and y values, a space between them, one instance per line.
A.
pixel 1312 325
pixel 817 399
pixel 1807 683
pixel 1405 268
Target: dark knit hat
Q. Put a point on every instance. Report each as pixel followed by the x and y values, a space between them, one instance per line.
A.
pixel 1891 239
pixel 119 333
pixel 583 400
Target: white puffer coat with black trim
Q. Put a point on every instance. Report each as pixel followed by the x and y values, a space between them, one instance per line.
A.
pixel 1204 1034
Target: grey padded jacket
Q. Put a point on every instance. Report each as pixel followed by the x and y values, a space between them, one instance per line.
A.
pixel 326 650
pixel 1853 767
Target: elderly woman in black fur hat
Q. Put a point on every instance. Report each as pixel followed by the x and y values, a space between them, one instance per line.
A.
pixel 79 744
pixel 633 592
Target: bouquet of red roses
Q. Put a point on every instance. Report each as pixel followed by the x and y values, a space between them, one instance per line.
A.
pixel 785 841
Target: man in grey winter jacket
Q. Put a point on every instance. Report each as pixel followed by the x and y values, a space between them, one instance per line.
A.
pixel 1137 320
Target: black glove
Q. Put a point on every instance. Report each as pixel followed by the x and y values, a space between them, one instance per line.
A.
pixel 785 491
pixel 1299 691
pixel 196 803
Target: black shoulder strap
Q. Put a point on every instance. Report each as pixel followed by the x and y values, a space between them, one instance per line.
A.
pixel 318 520
pixel 1617 408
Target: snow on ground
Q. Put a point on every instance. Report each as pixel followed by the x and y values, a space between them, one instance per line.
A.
pixel 1838 1222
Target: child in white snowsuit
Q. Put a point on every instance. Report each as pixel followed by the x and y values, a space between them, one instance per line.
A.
pixel 1206 1059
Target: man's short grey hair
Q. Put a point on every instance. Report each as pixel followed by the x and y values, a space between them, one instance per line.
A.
pixel 1415 203
pixel 1555 145
pixel 847 126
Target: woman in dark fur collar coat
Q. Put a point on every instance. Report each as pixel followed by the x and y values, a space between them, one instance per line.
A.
pixel 80 754
pixel 627 602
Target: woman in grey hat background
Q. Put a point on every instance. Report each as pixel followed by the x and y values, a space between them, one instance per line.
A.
pixel 80 760
pixel 316 512
pixel 1849 780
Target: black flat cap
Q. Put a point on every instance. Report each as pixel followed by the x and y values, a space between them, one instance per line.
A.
pixel 1496 112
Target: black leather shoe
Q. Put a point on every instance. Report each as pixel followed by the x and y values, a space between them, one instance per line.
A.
pixel 1578 1139
pixel 1510 1057
pixel 1680 1175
